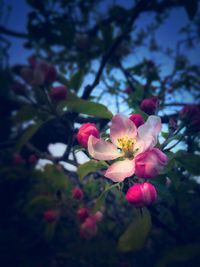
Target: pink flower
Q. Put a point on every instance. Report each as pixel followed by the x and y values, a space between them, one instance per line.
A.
pixel 88 228
pixel 77 193
pixel 149 163
pixel 84 133
pixel 59 93
pixel 137 119
pixel 149 105
pixel 189 111
pixel 141 195
pixel 83 213
pixel 50 215
pixel 127 141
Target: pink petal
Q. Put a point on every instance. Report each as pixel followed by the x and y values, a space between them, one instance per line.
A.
pixel 102 150
pixel 120 170
pixel 147 134
pixel 122 127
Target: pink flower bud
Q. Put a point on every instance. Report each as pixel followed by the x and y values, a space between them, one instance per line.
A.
pixel 83 213
pixel 77 193
pixel 141 195
pixel 18 160
pixel 98 216
pixel 149 105
pixel 189 111
pixel 149 163
pixel 84 133
pixel 50 215
pixel 137 119
pixel 32 159
pixel 191 115
pixel 59 93
pixel 88 229
pixel 128 90
pixel 32 76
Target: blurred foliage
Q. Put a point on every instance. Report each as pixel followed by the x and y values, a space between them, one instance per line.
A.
pixel 88 47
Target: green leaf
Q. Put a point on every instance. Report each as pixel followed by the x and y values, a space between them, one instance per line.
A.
pixel 179 254
pixel 100 200
pixel 79 105
pixel 90 166
pixel 134 237
pixel 56 178
pixel 26 113
pixel 50 230
pixel 189 161
pixel 76 80
pixel 28 133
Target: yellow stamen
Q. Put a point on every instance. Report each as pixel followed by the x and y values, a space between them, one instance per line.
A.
pixel 126 144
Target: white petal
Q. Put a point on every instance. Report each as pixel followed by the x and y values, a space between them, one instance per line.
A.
pixel 120 170
pixel 102 150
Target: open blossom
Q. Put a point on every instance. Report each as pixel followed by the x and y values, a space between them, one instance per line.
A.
pixel 127 143
pixel 141 195
pixel 84 133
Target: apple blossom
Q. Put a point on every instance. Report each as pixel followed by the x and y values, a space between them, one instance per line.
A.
pixel 149 105
pixel 141 195
pixel 137 119
pixel 84 133
pixel 127 142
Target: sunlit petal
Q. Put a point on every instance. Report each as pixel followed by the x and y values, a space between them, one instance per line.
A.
pixel 120 170
pixel 102 150
pixel 122 127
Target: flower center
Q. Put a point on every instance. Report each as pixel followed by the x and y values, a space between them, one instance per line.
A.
pixel 126 144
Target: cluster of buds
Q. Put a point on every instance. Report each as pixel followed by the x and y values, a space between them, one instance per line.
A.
pixel 39 72
pixel 88 227
pixel 133 141
pixel 19 160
